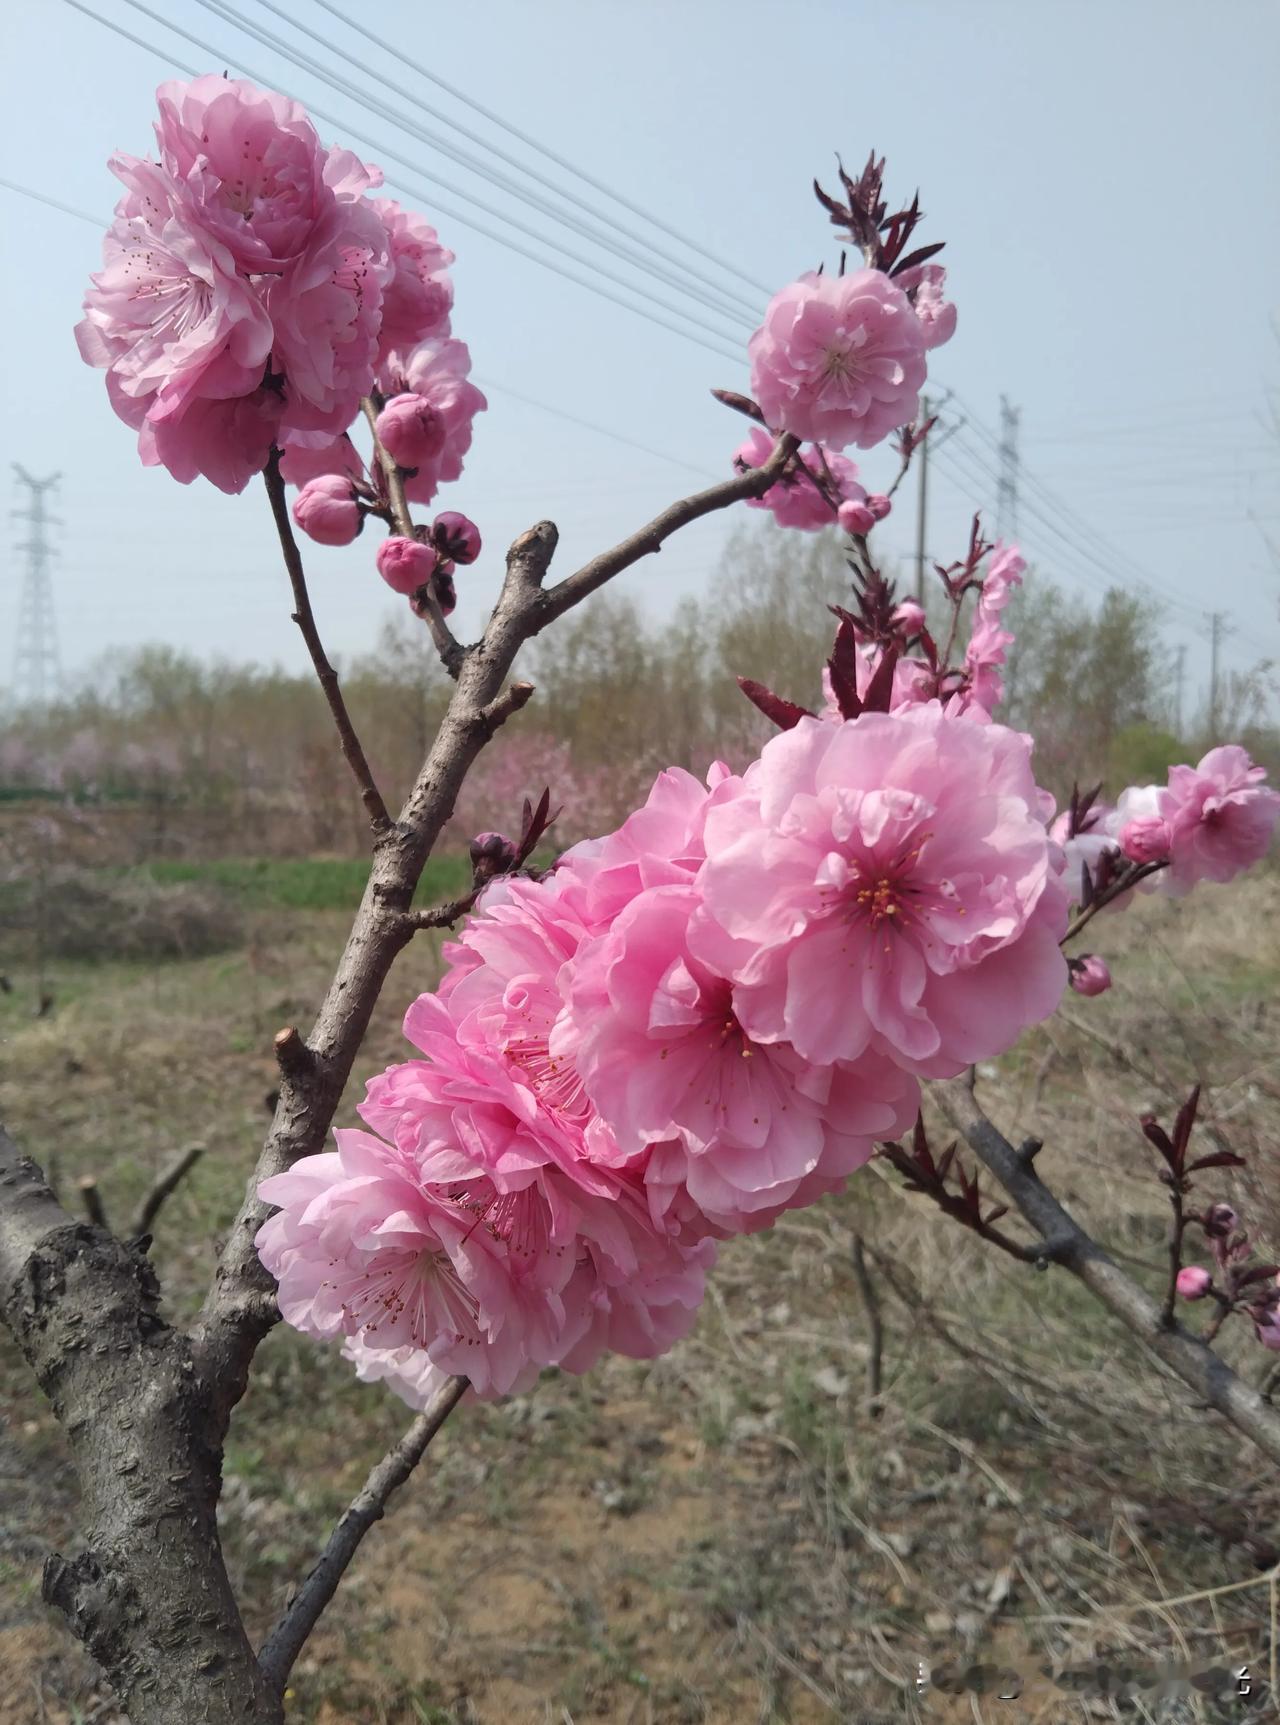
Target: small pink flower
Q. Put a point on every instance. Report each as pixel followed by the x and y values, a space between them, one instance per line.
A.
pixel 1145 840
pixel 1090 974
pixel 418 297
pixel 924 286
pixel 327 511
pixel 839 359
pixel 855 518
pixel 1220 815
pixel 1193 1283
pixel 410 430
pixel 879 505
pixel 795 500
pixel 404 564
pixel 456 537
pixel 908 618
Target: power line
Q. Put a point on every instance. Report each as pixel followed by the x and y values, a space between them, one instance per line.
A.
pixel 411 190
pixel 542 150
pixel 53 203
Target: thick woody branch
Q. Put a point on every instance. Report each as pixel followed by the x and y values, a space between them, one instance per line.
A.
pixel 450 649
pixel 304 617
pixel 287 1639
pixel 1213 1381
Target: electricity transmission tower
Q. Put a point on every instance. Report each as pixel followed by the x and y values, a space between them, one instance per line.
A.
pixel 37 668
pixel 1007 484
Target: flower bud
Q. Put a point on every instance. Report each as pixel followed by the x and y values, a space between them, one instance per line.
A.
pixel 908 618
pixel 491 854
pixel 855 517
pixel 1145 840
pixel 327 511
pixel 404 564
pixel 1090 975
pixel 1219 1220
pixel 455 536
pixel 1267 1330
pixel 442 585
pixel 879 505
pixel 410 430
pixel 1193 1283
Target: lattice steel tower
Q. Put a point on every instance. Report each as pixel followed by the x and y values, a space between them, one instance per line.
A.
pixel 37 667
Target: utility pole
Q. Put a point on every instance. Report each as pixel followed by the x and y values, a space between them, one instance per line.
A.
pixel 1179 667
pixel 1007 485
pixel 1217 629
pixel 37 668
pixel 922 500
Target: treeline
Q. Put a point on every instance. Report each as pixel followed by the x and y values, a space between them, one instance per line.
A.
pixel 163 754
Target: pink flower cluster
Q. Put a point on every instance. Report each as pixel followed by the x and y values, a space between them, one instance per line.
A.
pixel 251 295
pixel 703 1020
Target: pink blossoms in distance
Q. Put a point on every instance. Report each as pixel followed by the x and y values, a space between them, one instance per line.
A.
pixel 839 359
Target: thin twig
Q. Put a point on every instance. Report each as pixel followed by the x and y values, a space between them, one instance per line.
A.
pixel 450 649
pixel 1124 882
pixel 304 617
pixel 875 1326
pixel 1186 1355
pixel 166 1184
pixel 287 1639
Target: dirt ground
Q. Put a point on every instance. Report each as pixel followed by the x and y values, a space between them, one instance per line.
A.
pixel 732 1533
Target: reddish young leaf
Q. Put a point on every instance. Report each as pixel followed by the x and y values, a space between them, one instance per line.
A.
pixel 879 693
pixel 785 714
pixel 843 665
pixel 921 255
pixel 1219 1159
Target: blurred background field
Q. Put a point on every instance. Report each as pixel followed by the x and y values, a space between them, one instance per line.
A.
pixel 730 1533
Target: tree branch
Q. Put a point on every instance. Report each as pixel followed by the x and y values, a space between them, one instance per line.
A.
pixel 304 617
pixel 1185 1354
pixel 450 649
pixel 168 1182
pixel 287 1639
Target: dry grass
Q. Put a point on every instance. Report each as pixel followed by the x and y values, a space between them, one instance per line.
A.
pixel 730 1534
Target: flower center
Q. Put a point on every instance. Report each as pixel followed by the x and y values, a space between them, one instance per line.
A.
pixel 554 1082
pixel 421 1287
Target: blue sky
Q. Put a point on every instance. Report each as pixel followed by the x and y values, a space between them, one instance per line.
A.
pixel 1103 174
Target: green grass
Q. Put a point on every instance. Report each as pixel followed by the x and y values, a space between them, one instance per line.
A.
pixel 305 883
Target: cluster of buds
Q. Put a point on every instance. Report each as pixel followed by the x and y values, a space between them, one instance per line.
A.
pixel 427 560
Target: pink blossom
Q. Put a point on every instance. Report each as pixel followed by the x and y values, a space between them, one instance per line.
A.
pixel 1145 840
pixel 226 442
pixel 879 505
pixel 988 640
pixel 404 564
pixel 856 518
pixel 1220 816
pixel 436 370
pixel 741 1124
pixel 456 537
pixel 1090 975
pixel 924 285
pixel 795 500
pixel 300 462
pixel 908 618
pixel 886 884
pixel 839 360
pixel 1193 1283
pixel 410 430
pixel 327 511
pixel 419 295
pixel 249 168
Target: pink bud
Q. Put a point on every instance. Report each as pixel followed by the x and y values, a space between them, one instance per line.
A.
pixel 855 517
pixel 327 511
pixel 879 505
pixel 404 564
pixel 410 430
pixel 455 536
pixel 1193 1283
pixel 908 619
pixel 1090 975
pixel 1146 840
pixel 492 853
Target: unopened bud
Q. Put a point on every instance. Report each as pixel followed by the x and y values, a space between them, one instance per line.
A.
pixel 456 536
pixel 879 505
pixel 1146 840
pixel 491 854
pixel 855 517
pixel 404 564
pixel 1193 1282
pixel 1090 974
pixel 410 430
pixel 327 511
pixel 442 586
pixel 908 618
pixel 1219 1220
